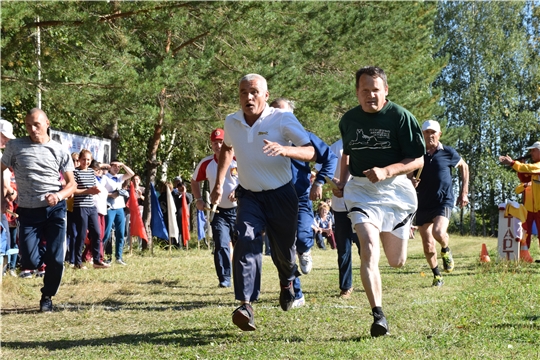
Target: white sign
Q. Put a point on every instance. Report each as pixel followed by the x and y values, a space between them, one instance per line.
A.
pixel 508 245
pixel 99 147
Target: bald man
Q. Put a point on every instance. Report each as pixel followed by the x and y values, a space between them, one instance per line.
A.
pixel 37 162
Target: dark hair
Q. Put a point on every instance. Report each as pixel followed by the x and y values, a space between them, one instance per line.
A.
pixel 95 165
pixel 372 71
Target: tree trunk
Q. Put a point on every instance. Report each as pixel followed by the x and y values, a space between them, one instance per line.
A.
pixel 111 132
pixel 165 163
pixel 151 167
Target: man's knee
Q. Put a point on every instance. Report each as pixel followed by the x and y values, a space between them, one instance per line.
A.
pixel 430 252
pixel 397 263
pixel 428 244
pixel 440 234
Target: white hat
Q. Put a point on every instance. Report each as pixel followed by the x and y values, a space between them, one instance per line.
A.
pixel 431 125
pixel 536 145
pixel 7 129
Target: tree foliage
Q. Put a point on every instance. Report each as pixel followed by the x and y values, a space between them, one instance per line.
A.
pixel 156 77
pixel 490 93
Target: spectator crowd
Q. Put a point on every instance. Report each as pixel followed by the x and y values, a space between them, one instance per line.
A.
pixel 264 179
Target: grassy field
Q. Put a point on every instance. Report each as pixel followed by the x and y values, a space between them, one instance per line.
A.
pixel 169 307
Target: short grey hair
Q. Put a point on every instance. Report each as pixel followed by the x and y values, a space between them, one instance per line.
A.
pixel 280 100
pixel 250 77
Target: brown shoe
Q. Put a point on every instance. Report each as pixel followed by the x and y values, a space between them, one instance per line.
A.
pixel 346 294
pixel 101 265
pixel 243 317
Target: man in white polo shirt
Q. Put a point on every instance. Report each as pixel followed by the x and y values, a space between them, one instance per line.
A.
pixel 261 137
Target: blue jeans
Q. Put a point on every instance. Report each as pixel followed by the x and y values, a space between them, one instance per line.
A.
pixel 48 223
pixel 118 218
pixel 12 264
pixel 5 243
pixel 222 231
pixel 71 237
pixel 304 234
pixel 344 236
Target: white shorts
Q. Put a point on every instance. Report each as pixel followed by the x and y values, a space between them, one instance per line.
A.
pixel 390 204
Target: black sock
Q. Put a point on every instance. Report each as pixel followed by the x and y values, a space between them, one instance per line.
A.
pixel 436 271
pixel 445 250
pixel 377 310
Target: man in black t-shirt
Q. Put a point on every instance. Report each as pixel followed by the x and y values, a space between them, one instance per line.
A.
pixel 436 198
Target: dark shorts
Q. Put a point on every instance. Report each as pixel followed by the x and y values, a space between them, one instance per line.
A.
pixel 427 216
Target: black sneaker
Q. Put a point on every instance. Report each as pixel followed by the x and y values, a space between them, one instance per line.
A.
pixel 379 326
pixel 286 297
pixel 45 304
pixel 243 317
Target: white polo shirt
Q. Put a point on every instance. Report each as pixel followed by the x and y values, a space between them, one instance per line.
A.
pixel 256 170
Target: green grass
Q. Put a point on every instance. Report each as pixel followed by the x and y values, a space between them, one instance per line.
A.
pixel 169 307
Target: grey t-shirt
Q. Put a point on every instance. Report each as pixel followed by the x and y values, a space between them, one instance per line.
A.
pixel 37 169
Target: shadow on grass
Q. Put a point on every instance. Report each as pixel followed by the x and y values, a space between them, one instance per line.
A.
pixel 514 325
pixel 179 337
pixel 114 305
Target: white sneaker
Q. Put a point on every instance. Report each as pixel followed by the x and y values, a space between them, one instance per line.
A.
pixel 306 262
pixel 298 302
pixel 120 262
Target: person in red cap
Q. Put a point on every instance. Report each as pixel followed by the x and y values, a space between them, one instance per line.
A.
pixel 223 222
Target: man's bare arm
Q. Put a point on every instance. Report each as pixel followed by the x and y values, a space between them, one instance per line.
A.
pixel 405 166
pixel 225 158
pixel 129 173
pixel 462 199
pixel 305 152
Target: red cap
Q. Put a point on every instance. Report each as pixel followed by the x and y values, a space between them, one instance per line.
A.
pixel 217 134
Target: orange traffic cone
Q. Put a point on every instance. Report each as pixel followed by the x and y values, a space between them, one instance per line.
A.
pixel 524 253
pixel 484 256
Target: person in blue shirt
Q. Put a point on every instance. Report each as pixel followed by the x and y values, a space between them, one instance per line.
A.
pixel 301 172
pixel 436 198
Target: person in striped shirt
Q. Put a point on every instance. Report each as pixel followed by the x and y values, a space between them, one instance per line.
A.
pixel 85 212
